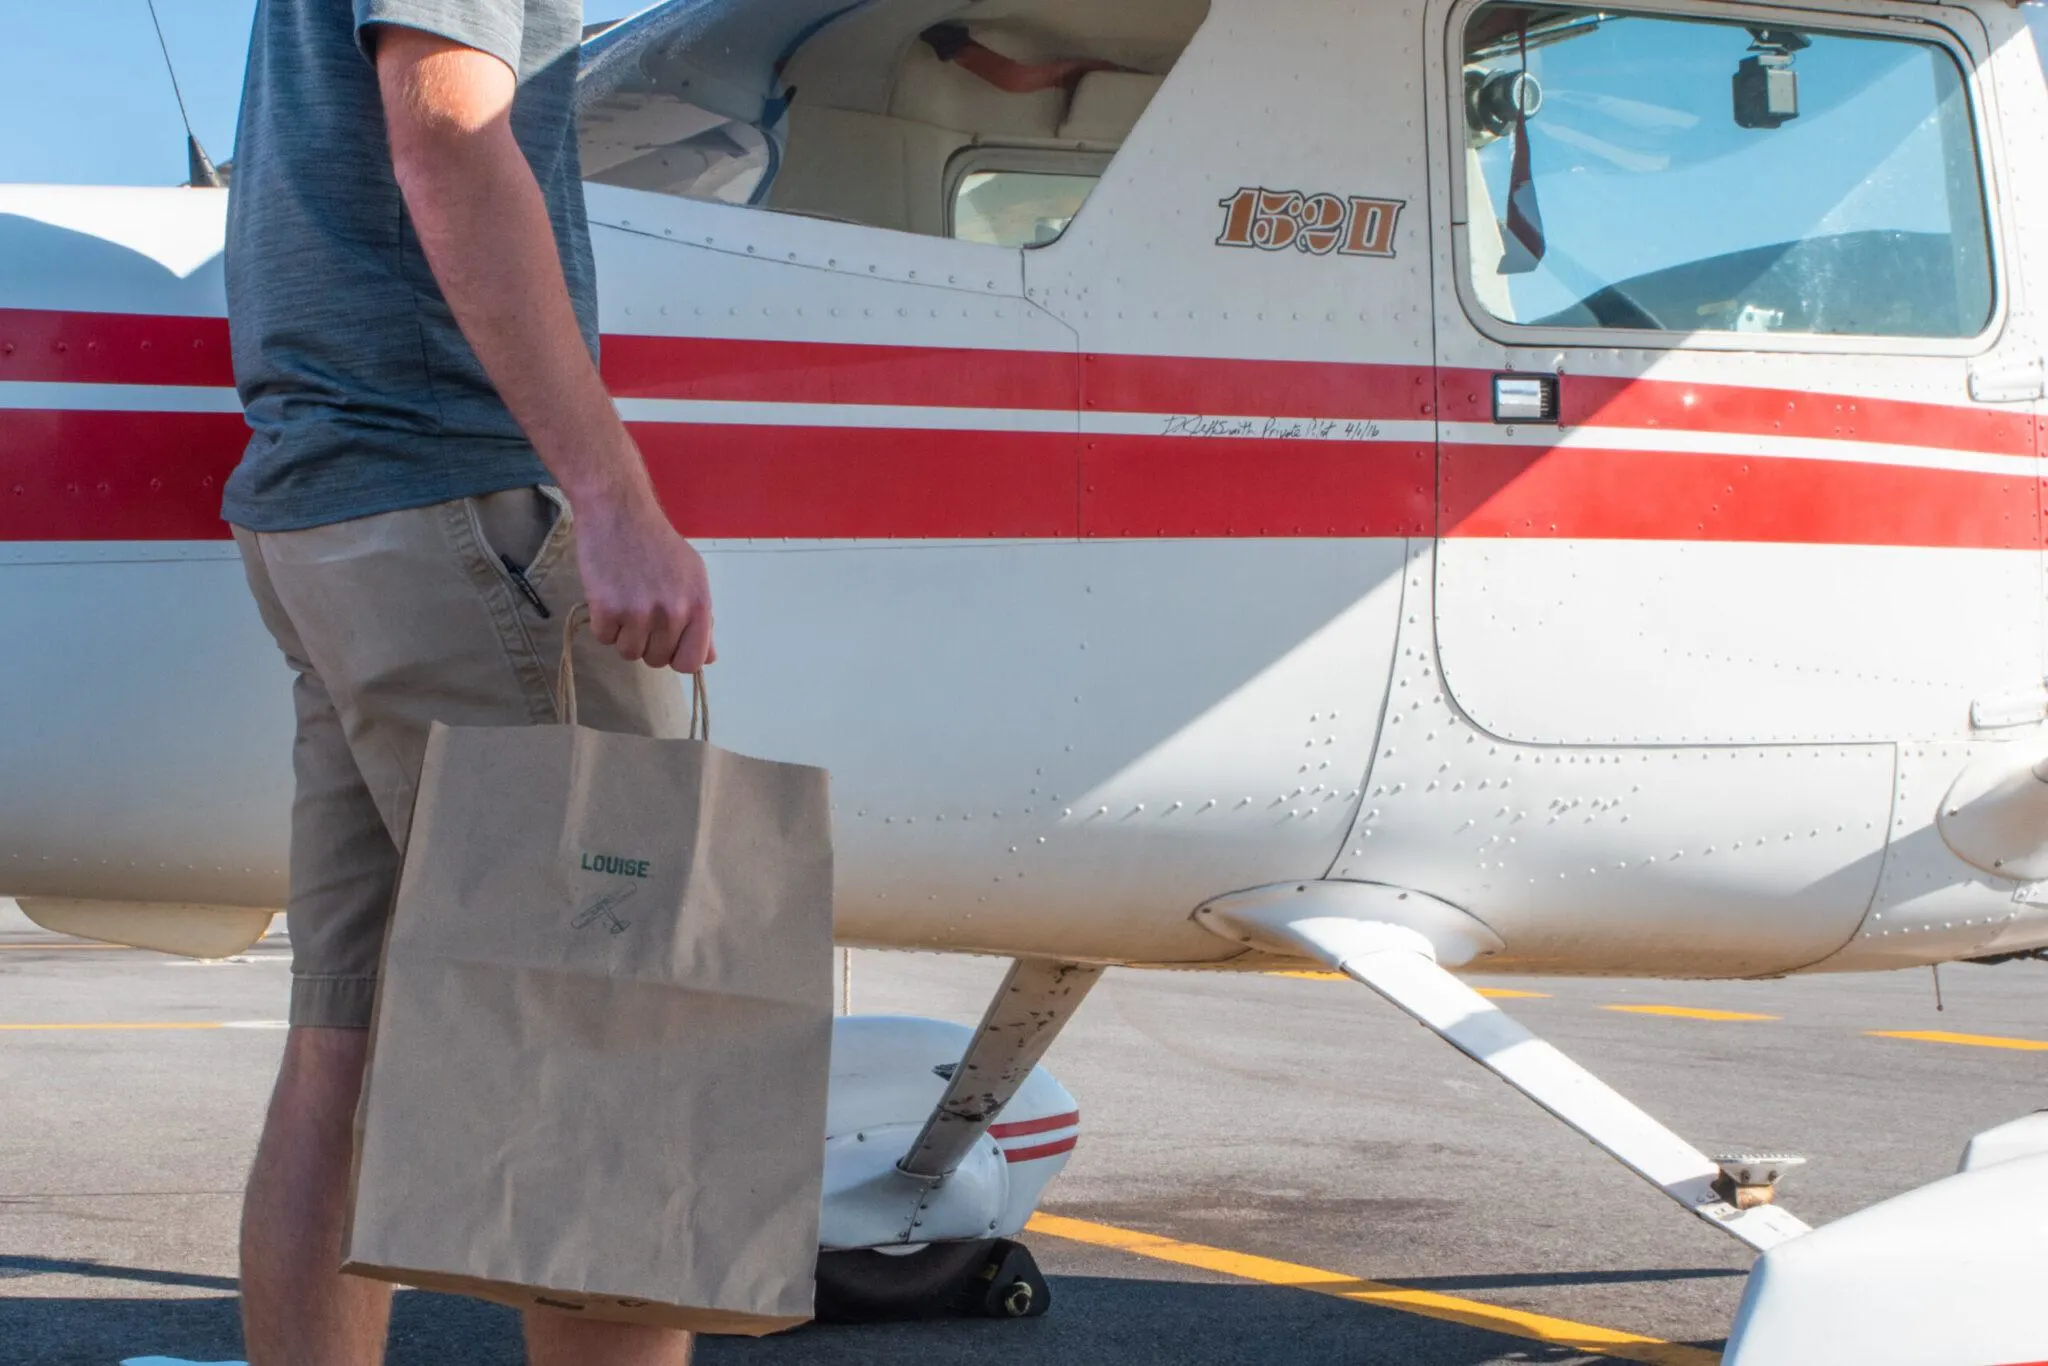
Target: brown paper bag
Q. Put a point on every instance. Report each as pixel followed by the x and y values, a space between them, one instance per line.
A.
pixel 598 1068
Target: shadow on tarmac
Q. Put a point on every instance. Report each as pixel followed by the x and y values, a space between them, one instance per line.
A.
pixel 1461 1284
pixel 11 1267
pixel 1094 1320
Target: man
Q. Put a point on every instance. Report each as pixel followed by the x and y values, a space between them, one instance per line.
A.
pixel 411 296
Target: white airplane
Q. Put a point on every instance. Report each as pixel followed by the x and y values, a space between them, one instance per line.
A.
pixel 1412 488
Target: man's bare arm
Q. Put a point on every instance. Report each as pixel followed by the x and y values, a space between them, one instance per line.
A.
pixel 484 225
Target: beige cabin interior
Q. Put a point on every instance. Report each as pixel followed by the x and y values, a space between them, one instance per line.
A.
pixel 884 130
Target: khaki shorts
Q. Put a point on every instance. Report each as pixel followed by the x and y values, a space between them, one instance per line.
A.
pixel 389 623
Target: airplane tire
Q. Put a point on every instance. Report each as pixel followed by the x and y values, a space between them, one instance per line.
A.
pixel 865 1286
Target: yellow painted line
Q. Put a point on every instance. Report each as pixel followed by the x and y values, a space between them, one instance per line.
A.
pixel 1496 993
pixel 1520 1323
pixel 1973 1040
pixel 1690 1012
pixel 153 1024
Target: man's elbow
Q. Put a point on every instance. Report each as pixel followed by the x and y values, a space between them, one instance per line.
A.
pixel 432 163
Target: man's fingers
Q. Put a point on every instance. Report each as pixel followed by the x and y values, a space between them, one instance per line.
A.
pixel 694 651
pixel 664 633
pixel 648 598
pixel 632 639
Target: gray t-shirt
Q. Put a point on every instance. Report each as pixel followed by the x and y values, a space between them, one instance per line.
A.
pixel 361 393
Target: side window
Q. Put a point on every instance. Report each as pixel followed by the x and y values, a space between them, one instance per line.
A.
pixel 1020 197
pixel 1693 175
pixel 988 120
pixel 674 147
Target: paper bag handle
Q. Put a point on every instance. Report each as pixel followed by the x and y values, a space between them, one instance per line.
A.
pixel 565 681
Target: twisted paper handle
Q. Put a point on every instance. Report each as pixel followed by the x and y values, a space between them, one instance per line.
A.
pixel 565 681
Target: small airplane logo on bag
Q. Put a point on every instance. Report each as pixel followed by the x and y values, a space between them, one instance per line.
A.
pixel 605 909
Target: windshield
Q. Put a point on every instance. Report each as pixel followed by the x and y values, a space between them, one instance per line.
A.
pixel 1644 172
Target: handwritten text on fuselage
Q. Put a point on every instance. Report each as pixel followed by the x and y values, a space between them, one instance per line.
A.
pixel 1271 428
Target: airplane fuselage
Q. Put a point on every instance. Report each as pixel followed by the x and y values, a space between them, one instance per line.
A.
pixel 1112 575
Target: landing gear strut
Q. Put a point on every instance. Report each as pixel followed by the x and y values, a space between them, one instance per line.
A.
pixel 1397 942
pixel 1030 1008
pixel 920 1203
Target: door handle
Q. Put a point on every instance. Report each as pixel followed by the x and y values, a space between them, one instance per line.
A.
pixel 1525 398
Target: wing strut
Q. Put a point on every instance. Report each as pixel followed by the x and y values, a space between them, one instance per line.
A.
pixel 1396 942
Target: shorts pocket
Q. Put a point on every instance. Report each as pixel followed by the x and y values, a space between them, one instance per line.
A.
pixel 520 533
pixel 556 544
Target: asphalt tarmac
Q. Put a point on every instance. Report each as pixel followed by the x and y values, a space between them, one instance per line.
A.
pixel 1243 1138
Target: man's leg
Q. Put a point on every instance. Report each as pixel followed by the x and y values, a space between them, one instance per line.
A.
pixel 297 1307
pixel 396 621
pixel 297 1310
pixel 616 696
pixel 557 1339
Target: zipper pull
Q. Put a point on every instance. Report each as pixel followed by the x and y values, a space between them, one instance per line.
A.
pixel 525 586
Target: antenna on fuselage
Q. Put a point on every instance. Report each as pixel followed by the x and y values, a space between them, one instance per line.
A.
pixel 201 172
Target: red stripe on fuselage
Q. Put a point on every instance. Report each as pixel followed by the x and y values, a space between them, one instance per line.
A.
pixel 98 475
pixel 1232 386
pixel 1678 405
pixel 112 476
pixel 837 372
pixel 1150 486
pixel 126 348
pixel 1592 494
pixel 113 348
pixel 842 482
pixel 81 475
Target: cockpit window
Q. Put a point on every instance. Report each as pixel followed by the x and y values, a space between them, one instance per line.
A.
pixel 688 98
pixel 988 120
pixel 1689 175
pixel 1017 208
pixel 673 147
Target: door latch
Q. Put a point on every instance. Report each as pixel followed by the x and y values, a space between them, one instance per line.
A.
pixel 2007 381
pixel 1525 398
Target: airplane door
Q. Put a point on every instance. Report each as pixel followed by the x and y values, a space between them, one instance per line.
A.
pixel 1249 286
pixel 1724 316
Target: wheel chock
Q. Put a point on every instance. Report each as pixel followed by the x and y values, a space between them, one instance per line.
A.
pixel 1008 1286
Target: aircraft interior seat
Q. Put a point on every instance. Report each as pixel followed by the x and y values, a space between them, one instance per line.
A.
pixel 943 120
pixel 928 89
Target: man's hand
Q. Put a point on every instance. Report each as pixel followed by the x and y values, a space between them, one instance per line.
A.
pixel 484 226
pixel 649 594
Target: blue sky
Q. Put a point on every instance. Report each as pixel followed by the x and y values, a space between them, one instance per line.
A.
pixel 84 98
